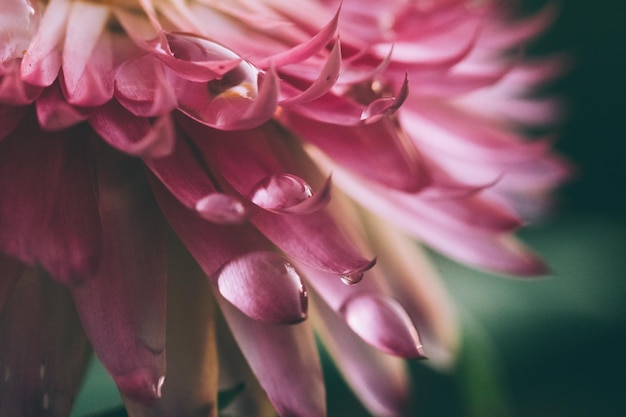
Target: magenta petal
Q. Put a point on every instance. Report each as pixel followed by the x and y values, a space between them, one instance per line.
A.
pixel 327 78
pixel 382 322
pixel 48 213
pixel 304 50
pixel 197 59
pixel 43 350
pixel 265 287
pixel 13 90
pixel 359 148
pixel 131 134
pixel 122 307
pixel 386 106
pixel 212 245
pixel 383 385
pixel 54 112
pixel 284 360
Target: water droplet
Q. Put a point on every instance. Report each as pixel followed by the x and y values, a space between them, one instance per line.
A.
pixel 45 401
pixel 351 279
pixel 221 208
pixel 279 192
pixel 7 373
pixel 42 370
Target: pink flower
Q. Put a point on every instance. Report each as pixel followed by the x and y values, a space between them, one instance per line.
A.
pixel 156 156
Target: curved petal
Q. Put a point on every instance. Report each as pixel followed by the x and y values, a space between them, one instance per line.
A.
pixel 43 350
pixel 125 299
pixel 280 356
pixel 380 381
pixel 54 112
pixel 131 134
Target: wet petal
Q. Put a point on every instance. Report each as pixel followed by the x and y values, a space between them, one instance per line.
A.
pixel 43 350
pixel 280 356
pixel 383 385
pixel 265 287
pixel 190 389
pixel 125 299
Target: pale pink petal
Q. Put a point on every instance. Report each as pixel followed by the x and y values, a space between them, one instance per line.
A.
pixel 19 21
pixel 42 61
pixel 132 134
pixel 125 299
pixel 285 361
pixel 43 350
pixel 85 27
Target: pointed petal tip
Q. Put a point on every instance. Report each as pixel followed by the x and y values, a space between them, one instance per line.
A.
pixel 382 322
pixel 264 287
pixel 141 385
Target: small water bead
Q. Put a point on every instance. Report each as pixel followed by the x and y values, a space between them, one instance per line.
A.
pixel 351 279
pixel 279 192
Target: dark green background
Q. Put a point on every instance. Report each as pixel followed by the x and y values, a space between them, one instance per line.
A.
pixel 554 347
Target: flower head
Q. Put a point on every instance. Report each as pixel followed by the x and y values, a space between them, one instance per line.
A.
pixel 157 155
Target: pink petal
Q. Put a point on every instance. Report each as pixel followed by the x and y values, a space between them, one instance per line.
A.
pixel 13 90
pixel 48 212
pixel 42 61
pixel 372 314
pixel 311 238
pixel 285 361
pixel 185 178
pixel 359 148
pixel 264 287
pixel 142 87
pixel 306 49
pixel 416 285
pixel 197 59
pixel 125 299
pixel 54 112
pixel 383 385
pixel 498 252
pixel 131 134
pixel 43 349
pixel 327 78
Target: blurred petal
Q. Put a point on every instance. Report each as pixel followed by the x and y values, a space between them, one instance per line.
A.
pixel 190 389
pixel 284 359
pixel 125 299
pixel 43 350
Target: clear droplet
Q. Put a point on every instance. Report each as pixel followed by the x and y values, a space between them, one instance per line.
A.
pixel 279 192
pixel 351 279
pixel 221 208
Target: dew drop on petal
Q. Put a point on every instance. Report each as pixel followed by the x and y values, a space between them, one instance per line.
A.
pixel 279 192
pixel 221 208
pixel 351 279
